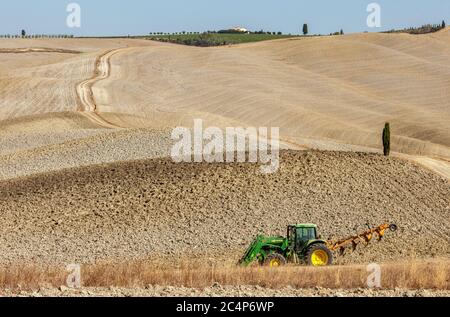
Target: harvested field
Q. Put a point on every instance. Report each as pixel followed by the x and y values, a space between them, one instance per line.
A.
pixel 328 89
pixel 327 93
pixel 158 209
pixel 36 50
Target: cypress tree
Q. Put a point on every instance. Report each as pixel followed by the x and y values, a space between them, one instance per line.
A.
pixel 305 29
pixel 387 140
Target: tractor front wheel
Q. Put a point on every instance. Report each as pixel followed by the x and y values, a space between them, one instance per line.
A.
pixel 274 260
pixel 319 255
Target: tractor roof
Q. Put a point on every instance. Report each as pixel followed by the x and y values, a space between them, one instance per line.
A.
pixel 305 225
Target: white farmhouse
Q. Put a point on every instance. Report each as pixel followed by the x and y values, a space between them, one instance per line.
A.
pixel 240 29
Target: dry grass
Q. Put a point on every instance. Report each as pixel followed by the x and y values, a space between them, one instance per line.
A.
pixel 30 277
pixel 415 275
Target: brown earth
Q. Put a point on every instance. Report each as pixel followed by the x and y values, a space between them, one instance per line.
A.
pixel 222 291
pixel 157 209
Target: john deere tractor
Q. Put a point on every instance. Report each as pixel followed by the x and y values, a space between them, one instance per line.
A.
pixel 301 245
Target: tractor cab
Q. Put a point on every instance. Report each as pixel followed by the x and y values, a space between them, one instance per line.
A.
pixel 301 235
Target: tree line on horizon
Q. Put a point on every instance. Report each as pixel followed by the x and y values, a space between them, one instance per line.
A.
pixel 305 30
pixel 424 29
pixel 23 34
pixel 217 32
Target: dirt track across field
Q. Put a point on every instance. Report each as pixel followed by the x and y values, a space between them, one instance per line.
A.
pixel 84 89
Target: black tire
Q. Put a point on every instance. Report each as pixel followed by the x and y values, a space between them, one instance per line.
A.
pixel 275 260
pixel 319 255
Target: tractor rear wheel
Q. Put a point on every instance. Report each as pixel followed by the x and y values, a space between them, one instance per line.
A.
pixel 319 255
pixel 274 260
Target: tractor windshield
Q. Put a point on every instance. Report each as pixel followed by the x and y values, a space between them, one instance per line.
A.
pixel 303 236
pixel 306 234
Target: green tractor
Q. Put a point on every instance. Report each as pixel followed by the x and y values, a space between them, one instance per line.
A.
pixel 302 245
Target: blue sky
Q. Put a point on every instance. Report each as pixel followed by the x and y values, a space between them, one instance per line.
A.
pixel 118 17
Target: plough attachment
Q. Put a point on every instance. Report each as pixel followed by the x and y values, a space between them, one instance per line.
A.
pixel 365 237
